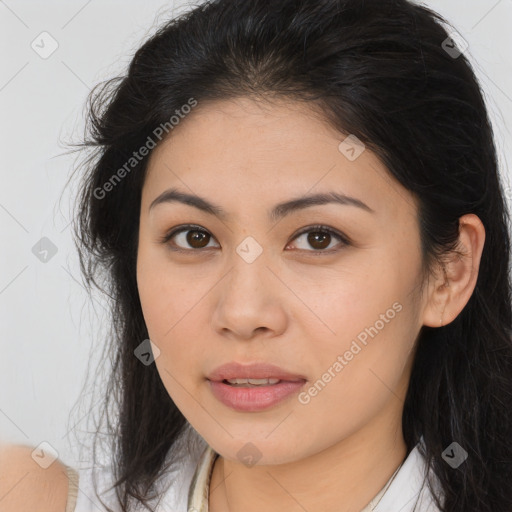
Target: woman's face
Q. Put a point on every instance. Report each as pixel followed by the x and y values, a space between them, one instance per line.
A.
pixel 245 286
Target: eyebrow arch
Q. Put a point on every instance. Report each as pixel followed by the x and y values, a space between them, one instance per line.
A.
pixel 279 211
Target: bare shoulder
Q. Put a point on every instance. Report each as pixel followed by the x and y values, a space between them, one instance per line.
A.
pixel 27 486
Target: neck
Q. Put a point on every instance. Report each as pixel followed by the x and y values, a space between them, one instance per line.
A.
pixel 342 478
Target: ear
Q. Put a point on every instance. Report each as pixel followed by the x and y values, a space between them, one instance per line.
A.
pixel 448 294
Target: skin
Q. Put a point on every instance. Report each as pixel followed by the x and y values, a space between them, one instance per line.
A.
pixel 26 486
pixel 290 307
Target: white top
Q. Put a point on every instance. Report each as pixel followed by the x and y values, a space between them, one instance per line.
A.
pixel 189 492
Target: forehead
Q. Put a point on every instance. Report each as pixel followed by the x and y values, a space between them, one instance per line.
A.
pixel 249 149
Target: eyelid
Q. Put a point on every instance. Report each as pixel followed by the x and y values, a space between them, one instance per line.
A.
pixel 345 240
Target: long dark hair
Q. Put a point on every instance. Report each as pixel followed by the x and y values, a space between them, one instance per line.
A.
pixel 380 70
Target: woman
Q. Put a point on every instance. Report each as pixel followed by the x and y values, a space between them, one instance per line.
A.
pixel 296 209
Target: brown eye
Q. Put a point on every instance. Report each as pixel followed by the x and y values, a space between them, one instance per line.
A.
pixel 320 238
pixel 188 238
pixel 197 239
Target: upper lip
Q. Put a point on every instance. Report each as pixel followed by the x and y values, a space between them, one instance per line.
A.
pixel 236 370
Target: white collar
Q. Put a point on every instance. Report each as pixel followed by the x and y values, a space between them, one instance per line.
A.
pixel 409 492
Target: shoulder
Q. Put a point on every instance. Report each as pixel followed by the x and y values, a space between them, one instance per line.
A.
pixel 26 486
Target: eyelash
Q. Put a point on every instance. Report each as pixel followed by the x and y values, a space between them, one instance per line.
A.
pixel 318 228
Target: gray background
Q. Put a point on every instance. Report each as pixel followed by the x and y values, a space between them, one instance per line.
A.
pixel 51 334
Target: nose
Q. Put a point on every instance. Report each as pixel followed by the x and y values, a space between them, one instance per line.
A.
pixel 250 299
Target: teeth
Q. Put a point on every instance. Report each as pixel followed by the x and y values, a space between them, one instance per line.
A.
pixel 254 382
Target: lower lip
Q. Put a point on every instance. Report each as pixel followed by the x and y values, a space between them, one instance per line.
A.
pixel 255 398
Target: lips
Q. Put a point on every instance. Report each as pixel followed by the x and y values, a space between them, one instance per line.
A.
pixel 257 398
pixel 236 370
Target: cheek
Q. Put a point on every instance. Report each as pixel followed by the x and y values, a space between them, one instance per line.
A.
pixel 162 292
pixel 153 294
pixel 173 327
pixel 171 308
pixel 353 380
pixel 372 320
pixel 338 306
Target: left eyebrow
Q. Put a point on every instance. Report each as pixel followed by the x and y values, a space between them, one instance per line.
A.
pixel 279 211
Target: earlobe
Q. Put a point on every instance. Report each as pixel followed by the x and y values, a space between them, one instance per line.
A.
pixel 449 294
